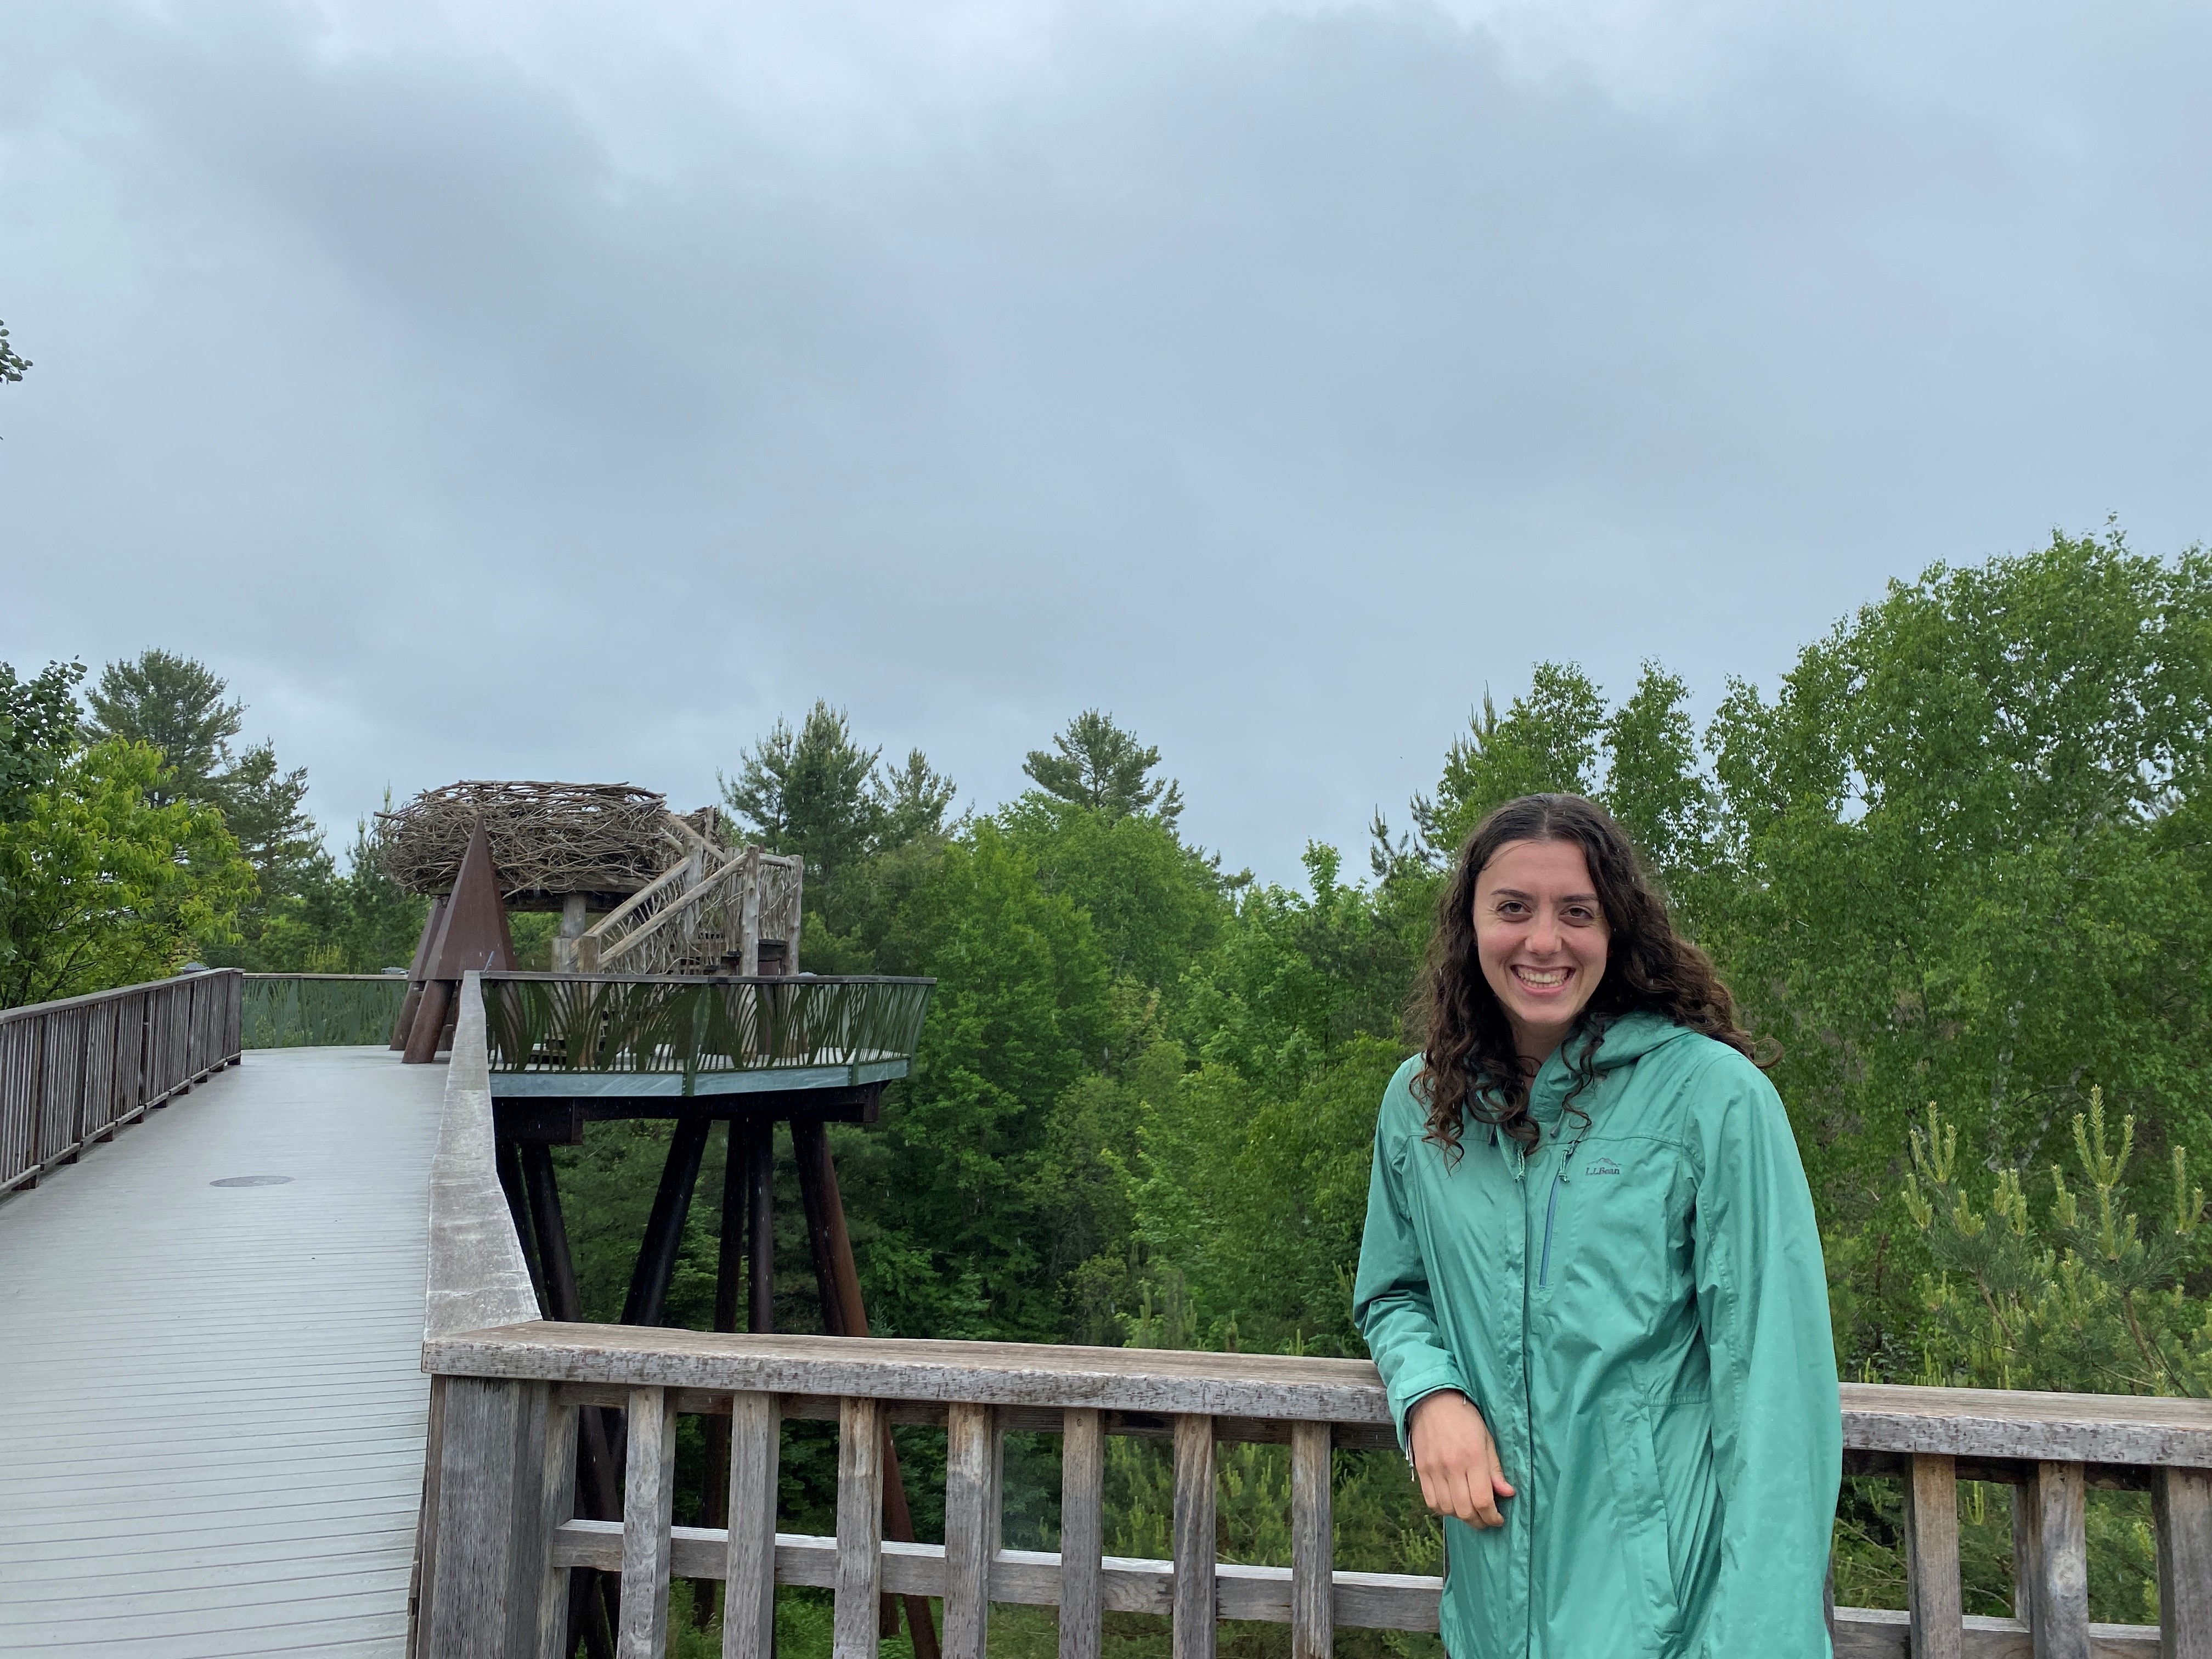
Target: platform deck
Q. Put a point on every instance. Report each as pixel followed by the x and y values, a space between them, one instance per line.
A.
pixel 211 1404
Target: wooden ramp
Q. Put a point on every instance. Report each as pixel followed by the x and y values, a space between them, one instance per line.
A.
pixel 211 1400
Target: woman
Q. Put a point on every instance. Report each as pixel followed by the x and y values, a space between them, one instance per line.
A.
pixel 1591 1277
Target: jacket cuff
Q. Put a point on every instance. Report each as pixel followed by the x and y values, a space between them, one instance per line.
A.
pixel 1409 1392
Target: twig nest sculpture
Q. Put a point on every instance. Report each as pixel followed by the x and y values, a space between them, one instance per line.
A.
pixel 548 840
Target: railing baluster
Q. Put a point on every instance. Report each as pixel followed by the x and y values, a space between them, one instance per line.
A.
pixel 2182 1502
pixel 1313 1548
pixel 749 1596
pixel 556 1505
pixel 648 1509
pixel 971 1503
pixel 860 1529
pixel 2058 1615
pixel 1082 1531
pixel 1196 1598
pixel 1932 1558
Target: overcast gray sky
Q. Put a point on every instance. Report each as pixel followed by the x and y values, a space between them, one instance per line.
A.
pixel 503 389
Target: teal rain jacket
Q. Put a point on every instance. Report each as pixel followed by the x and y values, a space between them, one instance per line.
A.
pixel 1640 1312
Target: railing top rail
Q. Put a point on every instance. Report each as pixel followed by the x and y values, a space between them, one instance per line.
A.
pixel 1959 1422
pixel 476 1272
pixel 386 979
pixel 887 1368
pixel 31 1009
pixel 783 981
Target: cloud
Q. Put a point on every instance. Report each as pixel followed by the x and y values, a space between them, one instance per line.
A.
pixel 493 390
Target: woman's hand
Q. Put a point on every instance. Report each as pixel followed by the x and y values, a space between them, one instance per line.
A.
pixel 1457 1461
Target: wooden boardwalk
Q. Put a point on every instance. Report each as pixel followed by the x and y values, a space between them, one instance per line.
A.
pixel 211 1404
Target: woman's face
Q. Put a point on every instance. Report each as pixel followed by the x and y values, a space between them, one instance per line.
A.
pixel 1540 939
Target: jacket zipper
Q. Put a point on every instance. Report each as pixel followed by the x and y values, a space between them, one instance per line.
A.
pixel 1551 1213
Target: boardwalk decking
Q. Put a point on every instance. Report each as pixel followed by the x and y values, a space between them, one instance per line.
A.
pixel 211 1404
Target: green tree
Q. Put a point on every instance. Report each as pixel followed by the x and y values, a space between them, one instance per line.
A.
pixel 100 887
pixel 37 731
pixel 817 792
pixel 1961 857
pixel 11 365
pixel 176 704
pixel 1098 764
pixel 1547 742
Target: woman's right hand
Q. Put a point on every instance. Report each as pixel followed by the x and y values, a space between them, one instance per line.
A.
pixel 1456 1460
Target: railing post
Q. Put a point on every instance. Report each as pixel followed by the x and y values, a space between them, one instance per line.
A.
pixel 2181 1500
pixel 2058 1562
pixel 749 1592
pixel 556 1503
pixel 485 1589
pixel 648 1511
pixel 1196 1599
pixel 854 1622
pixel 971 1516
pixel 1932 1558
pixel 1313 1550
pixel 1082 1532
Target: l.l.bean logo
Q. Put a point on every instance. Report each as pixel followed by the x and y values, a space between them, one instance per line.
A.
pixel 1605 1166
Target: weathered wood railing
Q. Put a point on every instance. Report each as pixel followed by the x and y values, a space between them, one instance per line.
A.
pixel 73 1072
pixel 501 1539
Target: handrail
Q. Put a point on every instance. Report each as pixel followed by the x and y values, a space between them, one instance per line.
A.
pixel 500 1539
pixel 568 1028
pixel 526 1381
pixel 74 1072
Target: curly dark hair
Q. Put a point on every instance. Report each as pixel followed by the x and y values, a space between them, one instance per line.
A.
pixel 1469 1065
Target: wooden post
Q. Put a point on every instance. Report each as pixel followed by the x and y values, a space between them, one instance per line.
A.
pixel 574 918
pixel 971 1513
pixel 854 1620
pixel 664 1229
pixel 748 916
pixel 844 1314
pixel 556 1504
pixel 2181 1502
pixel 1313 1545
pixel 1196 1601
pixel 1082 1532
pixel 2058 1620
pixel 648 1509
pixel 749 1592
pixel 485 1588
pixel 728 1266
pixel 760 1227
pixel 1931 1559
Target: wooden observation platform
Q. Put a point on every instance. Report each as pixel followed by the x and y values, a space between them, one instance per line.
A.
pixel 297 1366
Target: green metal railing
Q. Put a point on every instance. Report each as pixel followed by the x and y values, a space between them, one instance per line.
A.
pixel 702 1030
pixel 309 1011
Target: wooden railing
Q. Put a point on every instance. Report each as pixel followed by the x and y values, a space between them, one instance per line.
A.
pixel 75 1071
pixel 501 1538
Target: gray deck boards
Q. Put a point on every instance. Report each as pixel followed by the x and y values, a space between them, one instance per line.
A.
pixel 211 1442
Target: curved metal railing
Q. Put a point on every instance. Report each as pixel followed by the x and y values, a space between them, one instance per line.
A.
pixel 555 1022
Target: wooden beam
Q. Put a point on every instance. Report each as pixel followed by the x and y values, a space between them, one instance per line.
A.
pixel 1312 1624
pixel 854 1622
pixel 2058 1612
pixel 1196 1610
pixel 1082 1533
pixel 648 1511
pixel 1931 1559
pixel 749 1562
pixel 2181 1506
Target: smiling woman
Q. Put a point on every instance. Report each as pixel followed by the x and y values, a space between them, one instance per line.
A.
pixel 1615 1376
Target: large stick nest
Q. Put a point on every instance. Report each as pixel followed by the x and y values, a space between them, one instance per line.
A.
pixel 548 840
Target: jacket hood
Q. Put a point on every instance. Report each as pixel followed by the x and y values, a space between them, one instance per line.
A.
pixel 1624 1041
